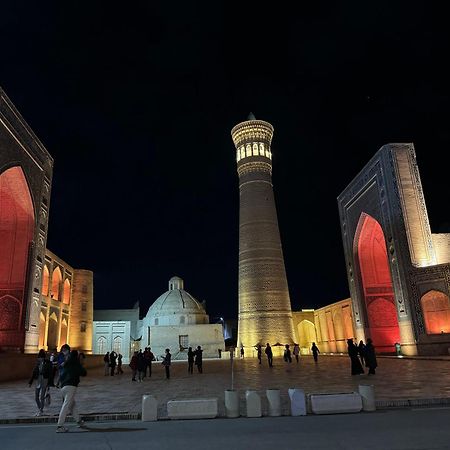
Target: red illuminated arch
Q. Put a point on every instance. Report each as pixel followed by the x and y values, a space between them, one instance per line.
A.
pixel 436 312
pixel 16 233
pixel 45 280
pixel 56 282
pixel 66 292
pixel 377 285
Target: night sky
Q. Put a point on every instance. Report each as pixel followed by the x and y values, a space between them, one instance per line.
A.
pixel 136 102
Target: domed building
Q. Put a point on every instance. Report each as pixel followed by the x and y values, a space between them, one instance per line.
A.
pixel 176 320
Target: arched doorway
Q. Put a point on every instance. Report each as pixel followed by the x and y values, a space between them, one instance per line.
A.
pixel 307 335
pixel 436 312
pixel 52 335
pixel 382 322
pixel 16 233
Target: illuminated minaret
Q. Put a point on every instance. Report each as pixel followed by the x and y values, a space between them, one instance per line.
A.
pixel 264 306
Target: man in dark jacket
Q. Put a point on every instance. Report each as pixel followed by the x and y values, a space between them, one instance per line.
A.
pixel 199 359
pixel 69 381
pixel 43 374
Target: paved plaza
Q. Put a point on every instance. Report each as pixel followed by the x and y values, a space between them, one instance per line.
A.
pixel 98 394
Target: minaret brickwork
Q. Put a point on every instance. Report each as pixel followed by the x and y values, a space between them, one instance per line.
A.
pixel 264 305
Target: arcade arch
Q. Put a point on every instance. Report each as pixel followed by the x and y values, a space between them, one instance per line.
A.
pixel 56 282
pixel 436 312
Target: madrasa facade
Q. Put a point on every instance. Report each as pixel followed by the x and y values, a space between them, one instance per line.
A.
pixel 44 302
pixel 175 320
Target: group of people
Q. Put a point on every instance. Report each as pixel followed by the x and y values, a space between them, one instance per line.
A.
pixel 362 355
pixel 287 355
pixel 62 370
pixel 141 364
pixel 113 363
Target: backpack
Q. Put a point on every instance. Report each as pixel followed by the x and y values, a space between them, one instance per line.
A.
pixel 46 369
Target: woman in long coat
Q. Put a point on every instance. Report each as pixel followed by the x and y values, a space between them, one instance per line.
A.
pixel 353 353
pixel 371 359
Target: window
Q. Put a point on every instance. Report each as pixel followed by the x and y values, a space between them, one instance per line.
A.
pixel 261 149
pixel 101 345
pixel 84 306
pixel 182 320
pixel 84 289
pixel 248 149
pixel 255 149
pixel 83 327
pixel 117 344
pixel 183 340
pixel 156 321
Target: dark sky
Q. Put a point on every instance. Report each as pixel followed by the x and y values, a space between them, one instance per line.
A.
pixel 135 102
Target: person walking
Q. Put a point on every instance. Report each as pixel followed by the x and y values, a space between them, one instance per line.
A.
pixel 242 351
pixel 134 365
pixel 199 359
pixel 69 382
pixel 370 357
pixel 268 352
pixel 315 351
pixel 167 360
pixel 42 373
pixel 259 352
pixel 190 356
pixel 356 367
pixel 112 362
pixel 287 354
pixel 106 363
pixel 296 352
pixel 119 364
pixel 362 352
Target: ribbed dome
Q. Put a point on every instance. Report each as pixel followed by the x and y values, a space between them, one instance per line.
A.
pixel 175 301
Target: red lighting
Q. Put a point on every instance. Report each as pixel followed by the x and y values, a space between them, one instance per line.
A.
pixel 377 286
pixel 16 233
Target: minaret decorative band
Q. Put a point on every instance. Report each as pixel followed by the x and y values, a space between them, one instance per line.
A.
pixel 264 306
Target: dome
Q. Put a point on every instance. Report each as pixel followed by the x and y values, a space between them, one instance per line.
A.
pixel 176 303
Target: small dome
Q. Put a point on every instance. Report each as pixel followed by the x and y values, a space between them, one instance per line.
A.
pixel 175 301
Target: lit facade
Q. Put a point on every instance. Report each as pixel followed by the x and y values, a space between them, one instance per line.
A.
pixel 175 320
pixel 398 270
pixel 264 305
pixel 30 318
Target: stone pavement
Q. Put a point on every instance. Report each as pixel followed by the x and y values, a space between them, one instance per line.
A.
pixel 97 394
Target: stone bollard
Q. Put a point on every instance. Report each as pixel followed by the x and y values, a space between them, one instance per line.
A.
pixel 149 408
pixel 298 402
pixel 367 393
pixel 253 402
pixel 231 403
pixel 274 400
